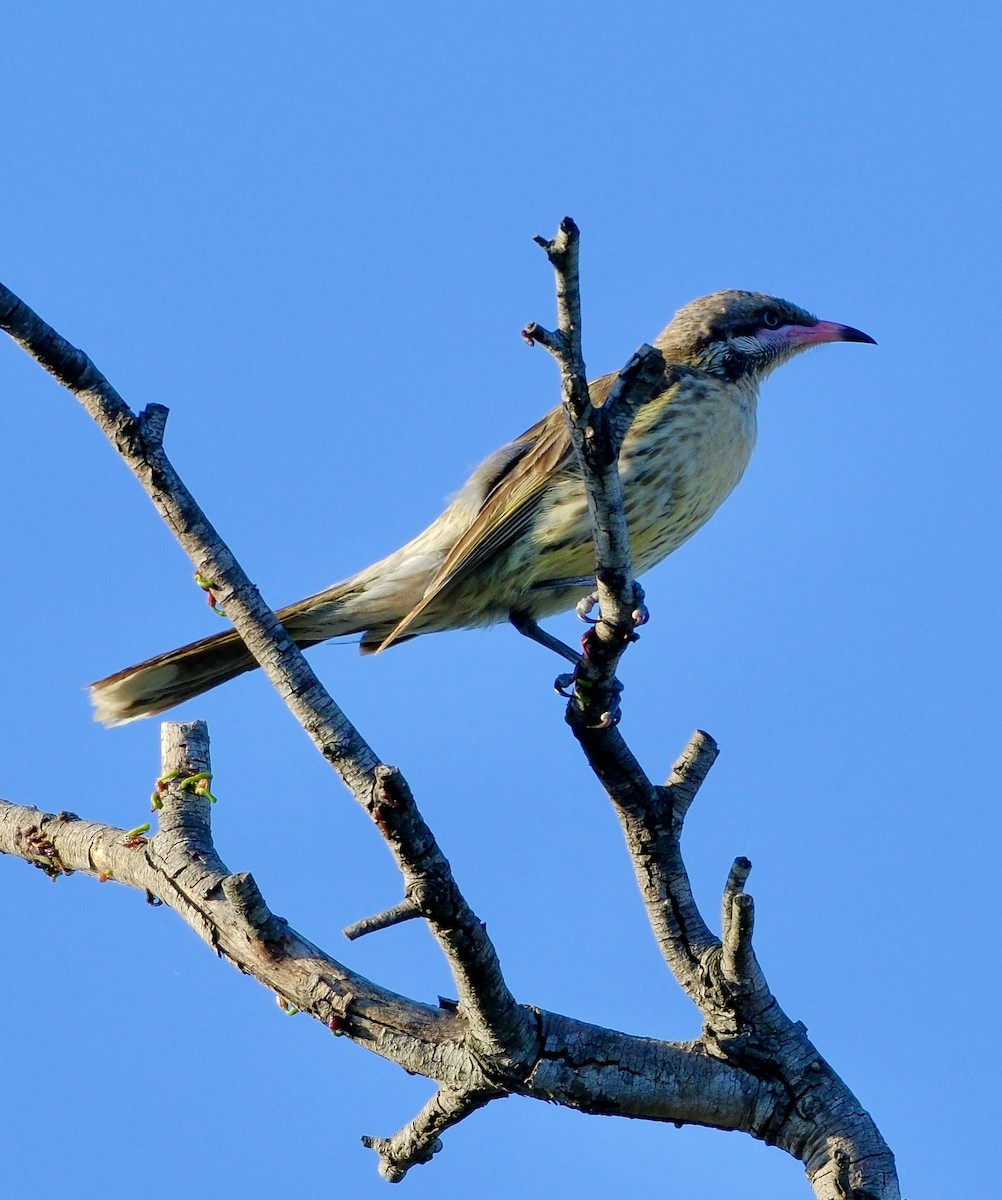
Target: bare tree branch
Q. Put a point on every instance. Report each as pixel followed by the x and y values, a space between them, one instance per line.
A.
pixel 573 1063
pixel 752 1067
pixel 381 790
pixel 139 441
pixel 420 1138
pixel 652 819
pixel 743 1022
pixel 597 432
pixel 495 1022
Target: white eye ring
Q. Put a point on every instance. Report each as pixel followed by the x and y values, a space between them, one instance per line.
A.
pixel 770 319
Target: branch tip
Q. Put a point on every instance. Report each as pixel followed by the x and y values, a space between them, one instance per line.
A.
pixel 393 1168
pixel 738 874
pixel 534 333
pixel 419 1139
pixel 738 958
pixel 390 787
pixel 564 243
pixel 688 772
pixel 406 910
pixel 243 893
pixel 152 422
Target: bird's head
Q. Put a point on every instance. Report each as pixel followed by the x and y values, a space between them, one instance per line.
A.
pixel 745 335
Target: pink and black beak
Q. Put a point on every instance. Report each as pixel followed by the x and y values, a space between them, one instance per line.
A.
pixel 801 336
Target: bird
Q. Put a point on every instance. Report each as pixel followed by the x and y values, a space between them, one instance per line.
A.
pixel 515 543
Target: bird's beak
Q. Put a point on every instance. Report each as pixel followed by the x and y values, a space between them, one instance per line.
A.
pixel 825 331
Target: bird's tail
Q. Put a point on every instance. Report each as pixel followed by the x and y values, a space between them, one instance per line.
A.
pixel 159 683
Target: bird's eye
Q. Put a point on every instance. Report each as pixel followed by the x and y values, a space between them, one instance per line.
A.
pixel 771 319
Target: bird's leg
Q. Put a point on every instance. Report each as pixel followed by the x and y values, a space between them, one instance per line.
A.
pixel 529 628
pixel 565 684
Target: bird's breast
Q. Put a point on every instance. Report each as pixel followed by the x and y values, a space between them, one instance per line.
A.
pixel 681 458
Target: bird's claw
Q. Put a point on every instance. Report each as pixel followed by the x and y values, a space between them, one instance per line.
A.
pixel 585 605
pixel 640 614
pixel 563 685
pixel 611 717
pixel 566 685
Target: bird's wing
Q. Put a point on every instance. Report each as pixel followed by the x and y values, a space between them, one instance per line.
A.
pixel 509 505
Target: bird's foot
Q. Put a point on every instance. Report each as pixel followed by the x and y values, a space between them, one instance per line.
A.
pixel 578 681
pixel 574 682
pixel 640 614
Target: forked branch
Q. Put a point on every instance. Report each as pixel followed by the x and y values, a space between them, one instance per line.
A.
pixel 571 1063
pixel 752 1067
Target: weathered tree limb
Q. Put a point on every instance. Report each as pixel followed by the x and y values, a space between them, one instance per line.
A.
pixel 420 1138
pixel 572 1063
pixel 818 1119
pixel 742 1020
pixel 652 819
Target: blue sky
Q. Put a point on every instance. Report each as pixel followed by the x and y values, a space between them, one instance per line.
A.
pixel 308 233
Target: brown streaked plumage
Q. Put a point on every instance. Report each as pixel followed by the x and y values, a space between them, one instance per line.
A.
pixel 516 539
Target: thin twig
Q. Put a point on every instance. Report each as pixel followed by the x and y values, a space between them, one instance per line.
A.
pixel 406 910
pixel 420 1138
pixel 597 430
